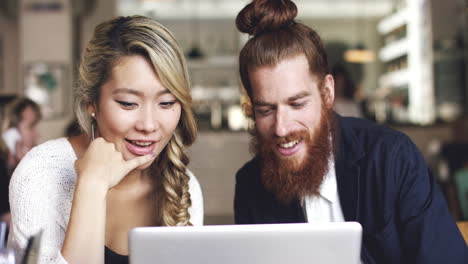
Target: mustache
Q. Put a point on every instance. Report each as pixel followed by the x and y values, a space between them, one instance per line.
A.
pixel 293 136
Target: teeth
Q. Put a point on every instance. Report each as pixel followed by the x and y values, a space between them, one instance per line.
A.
pixel 289 144
pixel 142 144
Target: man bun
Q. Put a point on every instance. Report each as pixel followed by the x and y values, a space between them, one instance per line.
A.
pixel 261 16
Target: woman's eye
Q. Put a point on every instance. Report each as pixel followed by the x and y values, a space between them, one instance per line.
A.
pixel 167 104
pixel 127 105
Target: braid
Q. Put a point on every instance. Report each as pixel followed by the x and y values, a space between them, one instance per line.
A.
pixel 174 206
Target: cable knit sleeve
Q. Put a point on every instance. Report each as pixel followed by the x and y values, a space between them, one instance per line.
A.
pixel 41 190
pixel 196 210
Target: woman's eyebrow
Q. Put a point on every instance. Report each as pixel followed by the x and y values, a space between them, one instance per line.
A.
pixel 128 91
pixel 136 92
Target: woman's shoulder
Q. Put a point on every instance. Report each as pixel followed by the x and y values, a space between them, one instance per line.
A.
pixel 196 210
pixel 53 148
pixel 48 161
pixel 41 193
pixel 193 182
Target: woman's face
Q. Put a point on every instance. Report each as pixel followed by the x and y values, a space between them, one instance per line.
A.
pixel 135 111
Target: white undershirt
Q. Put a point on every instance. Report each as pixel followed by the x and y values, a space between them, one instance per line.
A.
pixel 325 207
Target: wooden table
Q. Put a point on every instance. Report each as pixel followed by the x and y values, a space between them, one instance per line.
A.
pixel 463 226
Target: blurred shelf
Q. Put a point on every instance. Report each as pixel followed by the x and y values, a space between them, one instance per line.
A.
pixel 413 51
pixel 394 50
pixel 395 79
pixel 393 21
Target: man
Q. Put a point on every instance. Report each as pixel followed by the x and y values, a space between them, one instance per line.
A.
pixel 312 165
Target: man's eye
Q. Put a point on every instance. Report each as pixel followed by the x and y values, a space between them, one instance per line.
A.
pixel 127 105
pixel 263 111
pixel 297 105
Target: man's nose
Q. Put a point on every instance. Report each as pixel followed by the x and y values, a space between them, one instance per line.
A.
pixel 282 122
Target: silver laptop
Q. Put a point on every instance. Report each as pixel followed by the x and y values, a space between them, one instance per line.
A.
pixel 247 244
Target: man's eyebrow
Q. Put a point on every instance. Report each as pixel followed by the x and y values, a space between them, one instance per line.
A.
pixel 259 103
pixel 298 96
pixel 262 103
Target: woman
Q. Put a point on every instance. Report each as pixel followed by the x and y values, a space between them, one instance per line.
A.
pixel 19 127
pixel 86 193
pixel 4 182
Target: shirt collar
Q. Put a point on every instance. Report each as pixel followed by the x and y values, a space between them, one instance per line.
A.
pixel 328 189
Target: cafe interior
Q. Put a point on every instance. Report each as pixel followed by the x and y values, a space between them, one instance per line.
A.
pixel 408 60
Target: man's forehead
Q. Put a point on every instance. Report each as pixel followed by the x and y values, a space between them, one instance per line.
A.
pixel 284 94
pixel 284 64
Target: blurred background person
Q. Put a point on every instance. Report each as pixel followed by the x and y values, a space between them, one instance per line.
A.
pixel 345 90
pixel 4 182
pixel 19 135
pixel 19 129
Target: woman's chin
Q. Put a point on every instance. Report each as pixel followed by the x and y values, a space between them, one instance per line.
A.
pixel 145 166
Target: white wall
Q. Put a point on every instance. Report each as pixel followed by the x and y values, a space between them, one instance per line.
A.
pixel 9 38
pixel 103 10
pixel 45 36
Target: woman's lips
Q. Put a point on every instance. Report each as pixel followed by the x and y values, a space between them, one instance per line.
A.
pixel 140 149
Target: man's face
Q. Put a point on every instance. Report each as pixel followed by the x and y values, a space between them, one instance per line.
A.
pixel 291 118
pixel 286 100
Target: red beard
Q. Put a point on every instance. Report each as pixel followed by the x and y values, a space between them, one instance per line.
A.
pixel 292 179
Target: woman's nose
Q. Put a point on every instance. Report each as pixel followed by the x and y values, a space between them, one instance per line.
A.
pixel 147 122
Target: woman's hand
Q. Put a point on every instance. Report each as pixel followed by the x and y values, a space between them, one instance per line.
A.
pixel 103 164
pixel 100 168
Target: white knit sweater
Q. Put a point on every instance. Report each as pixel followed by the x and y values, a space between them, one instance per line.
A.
pixel 41 193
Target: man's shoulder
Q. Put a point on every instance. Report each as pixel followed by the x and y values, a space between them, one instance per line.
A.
pixel 251 167
pixel 367 133
pixel 360 125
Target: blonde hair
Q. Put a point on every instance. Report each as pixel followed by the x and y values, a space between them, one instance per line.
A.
pixel 138 35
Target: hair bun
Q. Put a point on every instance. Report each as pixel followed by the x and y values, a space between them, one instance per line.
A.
pixel 265 15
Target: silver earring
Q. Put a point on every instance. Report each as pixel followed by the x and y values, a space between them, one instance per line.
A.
pixel 93 115
pixel 92 130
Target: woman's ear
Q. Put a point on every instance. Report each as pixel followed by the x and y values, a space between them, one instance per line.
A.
pixel 329 86
pixel 91 110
